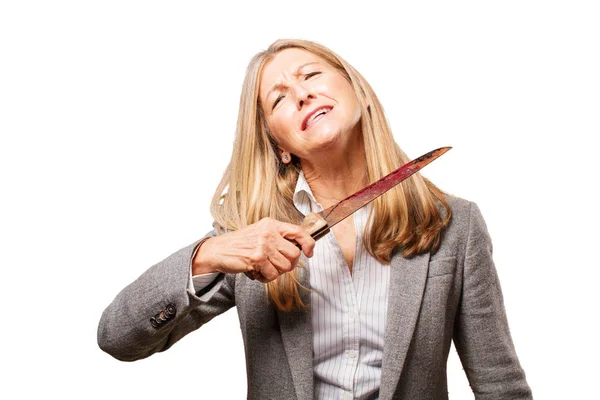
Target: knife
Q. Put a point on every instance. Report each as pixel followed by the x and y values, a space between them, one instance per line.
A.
pixel 318 224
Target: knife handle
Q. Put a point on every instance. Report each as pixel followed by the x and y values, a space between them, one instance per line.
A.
pixel 314 224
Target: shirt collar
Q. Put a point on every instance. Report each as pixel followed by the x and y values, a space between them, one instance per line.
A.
pixel 304 200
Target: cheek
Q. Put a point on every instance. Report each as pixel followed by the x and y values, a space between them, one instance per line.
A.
pixel 281 124
pixel 352 107
pixel 346 92
pixel 278 131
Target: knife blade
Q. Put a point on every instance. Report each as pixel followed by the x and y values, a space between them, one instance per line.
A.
pixel 318 224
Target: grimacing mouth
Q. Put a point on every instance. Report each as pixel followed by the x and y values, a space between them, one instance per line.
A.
pixel 313 114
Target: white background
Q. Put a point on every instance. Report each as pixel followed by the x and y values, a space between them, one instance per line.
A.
pixel 117 121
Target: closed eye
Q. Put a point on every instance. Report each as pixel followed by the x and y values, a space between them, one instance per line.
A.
pixel 307 76
pixel 277 101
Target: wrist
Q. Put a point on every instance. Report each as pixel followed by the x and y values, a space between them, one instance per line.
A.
pixel 201 263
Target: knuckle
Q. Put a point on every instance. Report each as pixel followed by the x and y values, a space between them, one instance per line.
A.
pixel 269 273
pixel 296 252
pixel 256 256
pixel 263 248
pixel 295 263
pixel 287 265
pixel 266 237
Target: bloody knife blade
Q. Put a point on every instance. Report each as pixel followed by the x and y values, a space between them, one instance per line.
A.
pixel 319 224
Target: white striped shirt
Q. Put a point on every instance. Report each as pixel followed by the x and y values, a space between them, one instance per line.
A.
pixel 348 311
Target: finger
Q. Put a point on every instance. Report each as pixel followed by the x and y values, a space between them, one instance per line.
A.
pixel 262 279
pixel 307 243
pixel 295 232
pixel 255 274
pixel 281 262
pixel 291 250
pixel 252 274
pixel 268 271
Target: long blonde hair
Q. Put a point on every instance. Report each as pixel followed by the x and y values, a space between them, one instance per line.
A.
pixel 256 184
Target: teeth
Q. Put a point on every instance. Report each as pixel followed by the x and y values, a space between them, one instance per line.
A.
pixel 315 115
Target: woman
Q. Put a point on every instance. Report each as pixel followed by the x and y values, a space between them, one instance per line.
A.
pixel 370 310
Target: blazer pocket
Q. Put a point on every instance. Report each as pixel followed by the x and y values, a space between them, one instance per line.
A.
pixel 441 267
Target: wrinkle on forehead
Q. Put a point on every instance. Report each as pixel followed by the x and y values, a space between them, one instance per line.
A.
pixel 284 69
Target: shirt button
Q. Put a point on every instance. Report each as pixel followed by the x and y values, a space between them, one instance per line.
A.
pixel 351 353
pixel 352 315
pixel 348 396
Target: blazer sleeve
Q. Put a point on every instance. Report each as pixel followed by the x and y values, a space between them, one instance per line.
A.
pixel 159 308
pixel 482 337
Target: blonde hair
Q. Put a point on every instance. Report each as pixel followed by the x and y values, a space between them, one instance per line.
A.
pixel 256 184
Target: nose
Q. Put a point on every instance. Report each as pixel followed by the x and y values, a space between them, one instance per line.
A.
pixel 302 95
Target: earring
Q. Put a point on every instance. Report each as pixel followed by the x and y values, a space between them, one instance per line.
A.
pixel 285 157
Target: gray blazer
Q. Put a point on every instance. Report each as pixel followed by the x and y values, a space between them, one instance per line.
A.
pixel 452 294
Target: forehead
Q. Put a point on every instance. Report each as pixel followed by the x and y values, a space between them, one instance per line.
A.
pixel 283 66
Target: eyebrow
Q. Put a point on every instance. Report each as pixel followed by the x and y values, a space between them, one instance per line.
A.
pixel 280 85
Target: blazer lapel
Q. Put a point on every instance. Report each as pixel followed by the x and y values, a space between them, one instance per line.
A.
pixel 407 284
pixel 296 332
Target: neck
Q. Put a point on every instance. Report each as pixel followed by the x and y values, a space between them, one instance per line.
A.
pixel 337 174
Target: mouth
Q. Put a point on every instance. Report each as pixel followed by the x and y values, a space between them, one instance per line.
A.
pixel 314 116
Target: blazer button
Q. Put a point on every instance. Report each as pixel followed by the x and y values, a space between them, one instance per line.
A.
pixel 170 311
pixel 154 323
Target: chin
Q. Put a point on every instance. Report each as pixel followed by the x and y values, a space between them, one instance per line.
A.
pixel 328 137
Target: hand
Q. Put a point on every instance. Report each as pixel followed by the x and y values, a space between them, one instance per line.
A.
pixel 264 247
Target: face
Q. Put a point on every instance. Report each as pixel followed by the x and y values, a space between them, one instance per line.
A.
pixel 308 105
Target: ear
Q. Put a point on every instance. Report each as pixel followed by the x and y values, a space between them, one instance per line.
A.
pixel 285 156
